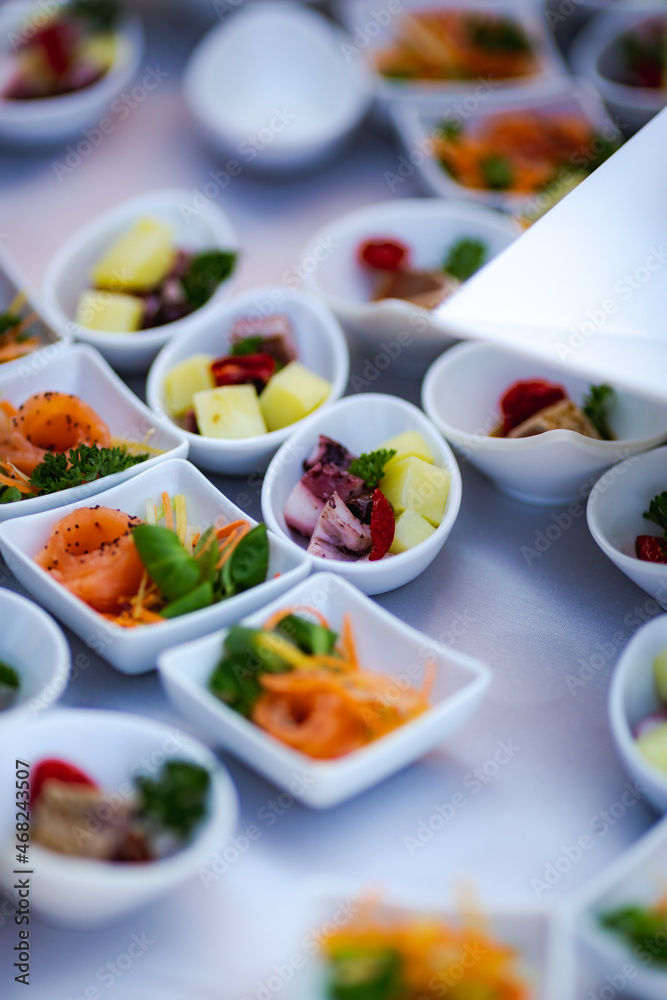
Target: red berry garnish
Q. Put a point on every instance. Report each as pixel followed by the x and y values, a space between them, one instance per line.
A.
pixel 255 369
pixel 523 399
pixel 383 526
pixel 384 255
pixel 651 549
pixel 58 770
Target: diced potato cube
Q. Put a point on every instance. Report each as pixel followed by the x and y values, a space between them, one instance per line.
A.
pixel 100 50
pixel 110 312
pixel 185 379
pixel 292 393
pixel 414 483
pixel 408 444
pixel 411 529
pixel 660 674
pixel 654 746
pixel 229 411
pixel 138 260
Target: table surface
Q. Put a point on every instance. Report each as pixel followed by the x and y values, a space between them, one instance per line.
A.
pixel 536 620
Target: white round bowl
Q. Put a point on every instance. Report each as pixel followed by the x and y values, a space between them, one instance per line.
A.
pixel 68 273
pixel 56 119
pixel 320 345
pixel 633 697
pixel 615 509
pixel 296 99
pixel 35 647
pixel 461 394
pixel 361 423
pixel 111 747
pixel 596 55
pixel 429 226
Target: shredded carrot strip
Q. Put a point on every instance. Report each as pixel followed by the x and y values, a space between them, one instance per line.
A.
pixel 347 639
pixel 228 529
pixel 277 616
pixel 168 513
pixel 7 408
pixel 227 551
pixel 17 483
pixel 429 678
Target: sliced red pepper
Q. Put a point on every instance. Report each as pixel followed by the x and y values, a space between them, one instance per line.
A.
pixel 383 526
pixel 384 255
pixel 255 369
pixel 55 40
pixel 523 399
pixel 651 549
pixel 58 770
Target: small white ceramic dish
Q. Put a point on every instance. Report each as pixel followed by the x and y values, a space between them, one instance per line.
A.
pixel 12 284
pixel 372 29
pixel 320 345
pixel 134 650
pixel 558 96
pixel 429 227
pixel 534 931
pixel 56 119
pixel 597 55
pixel 461 394
pixel 362 423
pixel 297 98
pixel 384 644
pixel 68 273
pixel 632 698
pixel 637 878
pixel 615 517
pixel 111 747
pixel 31 644
pixel 81 371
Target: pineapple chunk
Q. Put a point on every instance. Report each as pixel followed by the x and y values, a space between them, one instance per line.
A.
pixel 138 260
pixel 185 379
pixel 414 483
pixel 109 312
pixel 100 50
pixel 292 393
pixel 660 674
pixel 408 444
pixel 229 411
pixel 654 746
pixel 411 529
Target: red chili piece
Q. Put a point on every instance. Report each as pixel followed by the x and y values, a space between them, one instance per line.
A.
pixel 59 770
pixel 523 399
pixel 255 369
pixel 651 549
pixel 384 255
pixel 55 42
pixel 383 526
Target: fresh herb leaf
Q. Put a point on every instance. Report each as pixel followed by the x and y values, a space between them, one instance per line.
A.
pixel 102 15
pixel 199 597
pixel 9 494
pixel 498 172
pixel 248 564
pixel 171 568
pixel 307 636
pixel 60 471
pixel 235 680
pixel 8 321
pixel 657 511
pixel 207 553
pixel 640 927
pixel 604 148
pixel 501 34
pixel 465 257
pixel 596 406
pixel 176 799
pixel 449 129
pixel 247 345
pixel 8 677
pixel 370 467
pixel 207 271
pixel 366 973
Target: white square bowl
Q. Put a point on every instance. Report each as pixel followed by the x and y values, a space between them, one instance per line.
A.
pixel 134 650
pixel 385 644
pixel 638 877
pixel 82 371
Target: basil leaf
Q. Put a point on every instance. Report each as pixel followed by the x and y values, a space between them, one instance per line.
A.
pixel 9 494
pixel 248 564
pixel 8 321
pixel 8 677
pixel 207 553
pixel 169 566
pixel 207 270
pixel 307 636
pixel 199 597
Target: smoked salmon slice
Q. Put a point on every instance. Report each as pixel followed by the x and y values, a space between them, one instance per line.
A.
pixel 49 421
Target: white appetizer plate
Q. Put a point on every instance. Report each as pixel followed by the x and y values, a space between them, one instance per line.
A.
pixel 632 698
pixel 81 371
pixel 320 346
pixel 68 273
pixel 297 98
pixel 111 747
pixel 33 645
pixel 362 423
pixel 56 119
pixel 615 517
pixel 400 330
pixel 638 877
pixel 461 394
pixel 134 650
pixel 384 644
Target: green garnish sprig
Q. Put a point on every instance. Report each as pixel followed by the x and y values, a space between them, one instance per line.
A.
pixel 657 511
pixel 596 405
pixel 60 471
pixel 465 257
pixel 176 800
pixel 9 677
pixel 370 466
pixel 640 927
pixel 206 271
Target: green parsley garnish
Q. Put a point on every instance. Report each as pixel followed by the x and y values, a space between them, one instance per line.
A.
pixel 8 677
pixel 8 321
pixel 449 129
pixel 176 799
pixel 370 467
pixel 366 973
pixel 640 927
pixel 498 172
pixel 101 15
pixel 465 257
pixel 657 511
pixel 247 345
pixel 596 406
pixel 207 270
pixel 60 471
pixel 501 34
